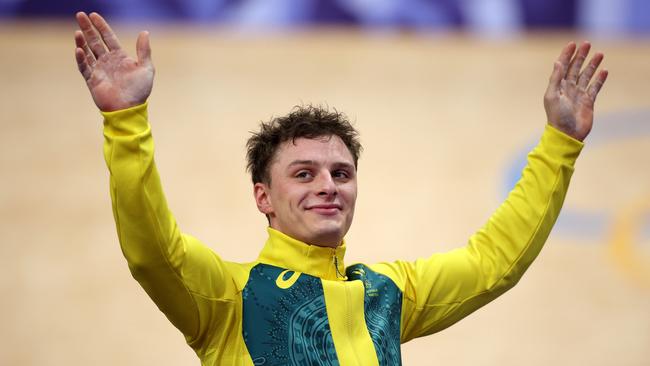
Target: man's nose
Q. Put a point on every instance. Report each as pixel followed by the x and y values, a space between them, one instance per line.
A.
pixel 326 185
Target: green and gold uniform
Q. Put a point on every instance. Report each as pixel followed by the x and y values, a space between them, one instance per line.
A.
pixel 298 304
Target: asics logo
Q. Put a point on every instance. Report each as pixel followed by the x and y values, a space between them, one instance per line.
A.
pixel 285 283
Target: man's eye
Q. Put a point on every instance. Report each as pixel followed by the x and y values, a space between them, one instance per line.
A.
pixel 303 174
pixel 340 174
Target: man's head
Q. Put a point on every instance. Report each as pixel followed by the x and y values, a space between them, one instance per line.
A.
pixel 303 167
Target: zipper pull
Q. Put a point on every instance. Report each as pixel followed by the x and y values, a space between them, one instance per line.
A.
pixel 336 265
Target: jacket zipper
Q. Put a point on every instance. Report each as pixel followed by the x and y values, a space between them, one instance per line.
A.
pixel 336 266
pixel 348 302
pixel 348 318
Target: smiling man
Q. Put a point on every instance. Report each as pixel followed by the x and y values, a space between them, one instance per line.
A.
pixel 310 150
pixel 298 304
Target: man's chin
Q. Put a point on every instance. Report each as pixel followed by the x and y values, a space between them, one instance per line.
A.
pixel 328 235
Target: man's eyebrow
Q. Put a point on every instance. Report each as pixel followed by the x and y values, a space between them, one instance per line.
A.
pixel 338 165
pixel 344 165
pixel 302 162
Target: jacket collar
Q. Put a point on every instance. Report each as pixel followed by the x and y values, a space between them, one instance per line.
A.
pixel 286 252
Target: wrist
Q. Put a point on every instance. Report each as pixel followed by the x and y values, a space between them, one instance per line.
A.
pixel 128 121
pixel 569 128
pixel 561 132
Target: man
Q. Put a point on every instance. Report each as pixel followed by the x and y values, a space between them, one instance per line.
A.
pixel 298 303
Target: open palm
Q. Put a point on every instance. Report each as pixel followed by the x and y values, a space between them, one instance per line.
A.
pixel 115 80
pixel 571 93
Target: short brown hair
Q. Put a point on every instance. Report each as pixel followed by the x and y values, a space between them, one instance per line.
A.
pixel 303 121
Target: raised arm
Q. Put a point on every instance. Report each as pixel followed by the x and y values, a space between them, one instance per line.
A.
pixel 444 288
pixel 182 276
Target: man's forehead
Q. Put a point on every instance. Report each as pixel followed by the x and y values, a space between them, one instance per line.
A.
pixel 313 150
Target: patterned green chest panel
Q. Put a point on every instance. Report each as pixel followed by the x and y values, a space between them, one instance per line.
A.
pixel 285 320
pixel 382 309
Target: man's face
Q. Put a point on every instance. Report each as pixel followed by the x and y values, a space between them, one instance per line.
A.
pixel 312 192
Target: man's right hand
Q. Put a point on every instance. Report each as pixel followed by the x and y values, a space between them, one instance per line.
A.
pixel 115 80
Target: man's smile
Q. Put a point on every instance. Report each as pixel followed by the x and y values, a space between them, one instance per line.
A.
pixel 328 209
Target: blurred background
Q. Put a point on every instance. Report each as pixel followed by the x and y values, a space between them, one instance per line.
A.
pixel 605 17
pixel 448 98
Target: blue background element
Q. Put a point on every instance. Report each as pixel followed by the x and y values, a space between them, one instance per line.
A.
pixel 573 221
pixel 631 16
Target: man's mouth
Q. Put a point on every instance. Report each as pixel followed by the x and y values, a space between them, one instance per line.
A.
pixel 325 209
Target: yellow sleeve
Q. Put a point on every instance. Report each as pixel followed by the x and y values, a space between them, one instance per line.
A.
pixel 177 271
pixel 440 290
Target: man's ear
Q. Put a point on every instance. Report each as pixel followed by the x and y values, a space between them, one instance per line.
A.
pixel 262 198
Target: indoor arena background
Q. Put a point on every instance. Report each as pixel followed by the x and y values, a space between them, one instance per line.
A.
pixel 448 98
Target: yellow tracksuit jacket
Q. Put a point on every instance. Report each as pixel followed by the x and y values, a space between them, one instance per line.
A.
pixel 299 304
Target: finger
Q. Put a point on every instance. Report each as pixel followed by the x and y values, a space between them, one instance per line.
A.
pixel 82 64
pixel 577 61
pixel 143 48
pixel 105 32
pixel 90 34
pixel 595 87
pixel 81 43
pixel 588 72
pixel 566 54
pixel 556 78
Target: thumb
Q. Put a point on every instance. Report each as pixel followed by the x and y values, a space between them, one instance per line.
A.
pixel 143 49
